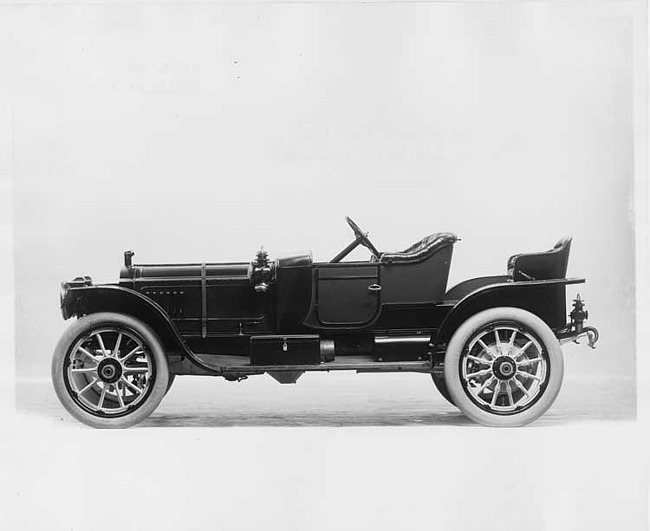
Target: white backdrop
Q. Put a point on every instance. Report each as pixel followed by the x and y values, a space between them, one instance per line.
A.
pixel 200 134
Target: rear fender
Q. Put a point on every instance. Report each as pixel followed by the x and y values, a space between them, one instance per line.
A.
pixel 544 298
pixel 84 300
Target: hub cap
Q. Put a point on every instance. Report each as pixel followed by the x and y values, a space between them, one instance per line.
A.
pixel 109 371
pixel 504 369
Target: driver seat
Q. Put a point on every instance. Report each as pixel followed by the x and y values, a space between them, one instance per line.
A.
pixel 421 250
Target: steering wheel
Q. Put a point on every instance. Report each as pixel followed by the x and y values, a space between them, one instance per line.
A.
pixel 362 237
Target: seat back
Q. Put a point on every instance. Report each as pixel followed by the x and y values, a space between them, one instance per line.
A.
pixel 546 265
pixel 417 275
pixel 421 250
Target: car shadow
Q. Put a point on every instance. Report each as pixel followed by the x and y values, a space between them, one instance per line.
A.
pixel 369 419
pixel 302 420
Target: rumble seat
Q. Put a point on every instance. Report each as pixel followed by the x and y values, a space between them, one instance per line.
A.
pixel 546 265
pixel 421 250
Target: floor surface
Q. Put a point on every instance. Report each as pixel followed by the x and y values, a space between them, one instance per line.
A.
pixel 336 399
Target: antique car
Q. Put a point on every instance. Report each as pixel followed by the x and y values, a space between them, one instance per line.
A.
pixel 491 344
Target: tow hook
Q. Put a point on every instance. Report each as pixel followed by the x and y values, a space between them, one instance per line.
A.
pixel 592 336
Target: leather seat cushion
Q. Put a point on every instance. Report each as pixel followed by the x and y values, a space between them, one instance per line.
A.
pixel 422 249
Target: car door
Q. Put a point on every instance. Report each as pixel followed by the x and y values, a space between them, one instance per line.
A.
pixel 348 293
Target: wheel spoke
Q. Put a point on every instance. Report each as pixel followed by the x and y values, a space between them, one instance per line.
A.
pixel 87 354
pixel 528 362
pixel 85 370
pixel 523 349
pixel 100 404
pixel 509 393
pixel 497 390
pixel 479 373
pixel 528 375
pixel 117 392
pixel 136 350
pixel 521 387
pixel 479 360
pixel 511 343
pixel 485 385
pixel 130 385
pixel 79 393
pixel 485 348
pixel 512 338
pixel 116 348
pixel 496 335
pixel 136 370
pixel 101 343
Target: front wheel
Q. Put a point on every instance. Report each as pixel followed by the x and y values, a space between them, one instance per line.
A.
pixel 109 370
pixel 504 367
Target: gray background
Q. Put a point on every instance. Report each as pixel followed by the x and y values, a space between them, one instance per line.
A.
pixel 199 134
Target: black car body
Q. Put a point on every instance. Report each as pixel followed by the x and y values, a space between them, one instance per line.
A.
pixel 286 316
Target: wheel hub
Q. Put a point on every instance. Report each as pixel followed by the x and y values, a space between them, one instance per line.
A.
pixel 504 367
pixel 109 370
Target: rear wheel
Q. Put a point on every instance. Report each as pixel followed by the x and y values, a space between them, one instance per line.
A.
pixel 504 367
pixel 109 370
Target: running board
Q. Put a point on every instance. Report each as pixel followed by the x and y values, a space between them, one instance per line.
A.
pixel 387 366
pixel 234 367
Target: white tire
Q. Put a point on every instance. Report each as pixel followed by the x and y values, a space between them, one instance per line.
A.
pixel 503 367
pixel 110 370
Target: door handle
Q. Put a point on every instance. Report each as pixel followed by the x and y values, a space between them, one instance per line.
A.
pixel 374 287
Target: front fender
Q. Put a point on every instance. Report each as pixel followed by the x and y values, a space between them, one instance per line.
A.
pixel 84 300
pixel 544 298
